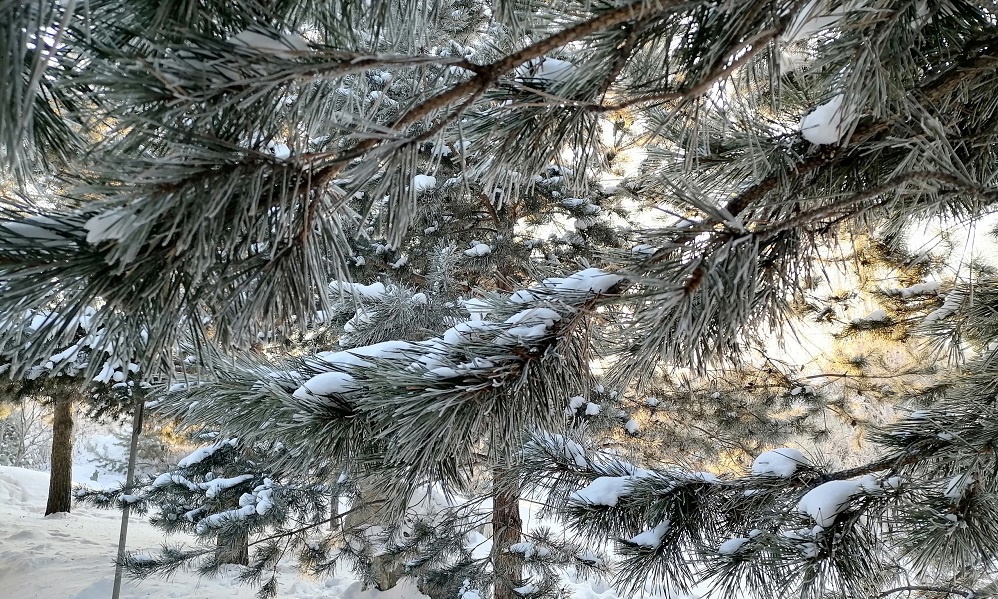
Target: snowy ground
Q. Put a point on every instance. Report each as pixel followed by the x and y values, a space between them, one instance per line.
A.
pixel 71 556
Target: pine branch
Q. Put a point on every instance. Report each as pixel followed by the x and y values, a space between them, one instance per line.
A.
pixel 488 75
pixel 969 594
pixel 976 60
pixel 737 58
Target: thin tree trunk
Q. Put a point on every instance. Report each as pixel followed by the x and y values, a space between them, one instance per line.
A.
pixel 507 528
pixel 334 504
pixel 61 479
pixel 133 447
pixel 334 512
pixel 233 549
pixel 236 551
pixel 385 570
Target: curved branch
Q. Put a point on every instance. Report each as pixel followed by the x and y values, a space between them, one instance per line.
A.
pixel 487 75
pixel 969 594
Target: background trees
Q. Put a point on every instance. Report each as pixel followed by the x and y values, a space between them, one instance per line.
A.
pixel 60 380
pixel 239 157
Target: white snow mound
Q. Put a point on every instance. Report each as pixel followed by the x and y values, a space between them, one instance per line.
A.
pixel 652 538
pixel 589 280
pixel 423 183
pixel 606 490
pixel 731 546
pixel 326 383
pixel 826 501
pixel 478 250
pixel 823 125
pixel 782 462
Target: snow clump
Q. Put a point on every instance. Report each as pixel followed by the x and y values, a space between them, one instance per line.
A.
pixel 529 550
pixel 823 125
pixel 354 357
pixel 324 384
pixel 529 324
pixel 478 250
pixel 200 455
pixel 606 490
pixel 957 487
pixel 826 501
pixel 372 291
pixel 782 462
pixel 279 151
pixel 423 183
pixel 731 546
pixel 588 280
pixel 927 288
pixel 643 249
pixel 402 261
pixel 112 225
pixel 569 449
pixel 651 538
pixel 951 303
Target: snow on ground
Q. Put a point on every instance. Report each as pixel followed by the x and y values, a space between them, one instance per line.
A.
pixel 71 556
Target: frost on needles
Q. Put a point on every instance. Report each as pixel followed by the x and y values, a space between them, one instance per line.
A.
pixel 209 173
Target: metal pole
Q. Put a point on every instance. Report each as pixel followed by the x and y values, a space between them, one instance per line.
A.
pixel 129 479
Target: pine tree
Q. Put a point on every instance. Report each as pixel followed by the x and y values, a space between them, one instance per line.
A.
pixel 60 379
pixel 390 320
pixel 234 152
pixel 220 495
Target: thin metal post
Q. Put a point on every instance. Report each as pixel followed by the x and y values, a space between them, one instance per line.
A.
pixel 129 480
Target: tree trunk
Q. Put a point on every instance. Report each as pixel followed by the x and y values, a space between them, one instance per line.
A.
pixel 507 528
pixel 387 571
pixel 232 549
pixel 61 479
pixel 334 507
pixel 384 570
pixel 133 447
pixel 235 551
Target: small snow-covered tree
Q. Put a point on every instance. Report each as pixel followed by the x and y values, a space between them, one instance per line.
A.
pixel 220 495
pixel 379 406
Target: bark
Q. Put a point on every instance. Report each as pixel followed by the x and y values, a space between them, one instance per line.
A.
pixel 385 570
pixel 507 529
pixel 232 549
pixel 61 479
pixel 235 551
pixel 334 514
